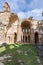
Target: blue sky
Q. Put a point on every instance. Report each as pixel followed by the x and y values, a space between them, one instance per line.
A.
pixel 25 8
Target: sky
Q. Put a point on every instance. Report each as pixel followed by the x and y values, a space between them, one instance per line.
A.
pixel 25 8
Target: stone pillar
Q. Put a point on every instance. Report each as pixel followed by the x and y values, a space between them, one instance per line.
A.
pixel 27 38
pixel 32 39
pixel 21 38
pixel 19 34
pixel 39 38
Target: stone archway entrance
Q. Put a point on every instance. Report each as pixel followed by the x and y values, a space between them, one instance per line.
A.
pixel 15 37
pixel 26 39
pixel 36 37
pixel 26 30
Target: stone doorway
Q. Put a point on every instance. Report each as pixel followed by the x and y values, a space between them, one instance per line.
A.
pixel 15 37
pixel 29 39
pixel 36 37
pixel 26 39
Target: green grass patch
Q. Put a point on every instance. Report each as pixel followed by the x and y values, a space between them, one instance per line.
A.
pixel 24 52
pixel 41 58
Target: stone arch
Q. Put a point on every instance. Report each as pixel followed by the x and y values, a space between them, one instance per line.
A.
pixel 15 37
pixel 26 29
pixel 25 25
pixel 36 37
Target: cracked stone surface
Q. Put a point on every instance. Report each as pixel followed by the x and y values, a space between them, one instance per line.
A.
pixel 1 63
pixel 38 60
pixel 19 51
pixel 21 63
pixel 19 60
pixel 2 59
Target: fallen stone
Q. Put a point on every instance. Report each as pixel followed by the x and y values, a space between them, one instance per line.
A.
pixel 21 63
pixel 1 63
pixel 19 51
pixel 19 60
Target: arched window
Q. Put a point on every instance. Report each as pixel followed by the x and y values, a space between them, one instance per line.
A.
pixel 25 26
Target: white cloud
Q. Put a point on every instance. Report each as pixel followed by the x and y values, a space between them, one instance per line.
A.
pixel 21 15
pixel 36 13
pixel 16 5
pixel 33 8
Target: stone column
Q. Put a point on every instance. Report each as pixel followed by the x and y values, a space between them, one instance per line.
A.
pixel 24 38
pixel 39 38
pixel 19 34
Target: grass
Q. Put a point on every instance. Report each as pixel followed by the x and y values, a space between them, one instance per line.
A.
pixel 20 53
pixel 41 58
